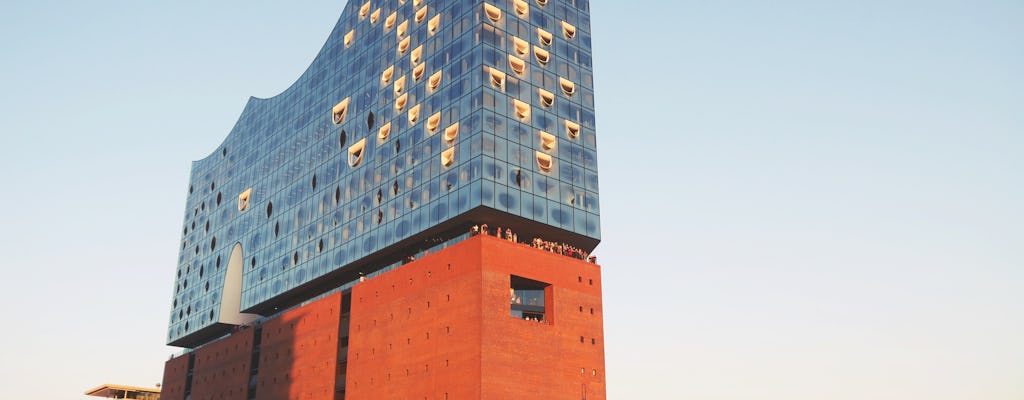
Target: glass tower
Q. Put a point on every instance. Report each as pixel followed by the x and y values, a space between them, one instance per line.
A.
pixel 417 120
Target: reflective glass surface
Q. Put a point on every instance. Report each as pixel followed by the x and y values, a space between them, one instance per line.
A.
pixel 293 187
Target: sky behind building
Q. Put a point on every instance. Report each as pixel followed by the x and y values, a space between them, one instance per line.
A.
pixel 800 200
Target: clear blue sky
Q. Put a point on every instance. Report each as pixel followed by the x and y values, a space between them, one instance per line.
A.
pixel 800 199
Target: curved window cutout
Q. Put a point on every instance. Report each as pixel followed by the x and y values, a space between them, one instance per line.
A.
pixel 385 77
pixel 364 10
pixel 375 16
pixel 414 115
pixel 417 3
pixel 313 183
pixel 218 198
pixel 339 111
pixel 542 3
pixel 451 132
pixel 547 99
pixel 433 122
pixel 548 142
pixel 522 47
pixel 231 292
pixel 416 55
pixel 350 37
pixel 435 80
pixel 572 129
pixel 522 109
pixel 243 199
pixel 433 24
pixel 522 8
pixel 403 28
pixel 448 157
pixel 417 72
pixel 270 208
pixel 399 85
pixel 369 120
pixel 384 132
pixel 342 138
pixel 544 161
pixel 400 102
pixel 568 87
pixel 403 45
pixel 568 30
pixel 516 64
pixel 493 12
pixel 497 78
pixel 355 153
pixel 421 15
pixel 389 22
pixel 544 37
pixel 541 55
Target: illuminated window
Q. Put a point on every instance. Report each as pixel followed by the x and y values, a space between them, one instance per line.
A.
pixel 547 99
pixel 417 3
pixel 522 47
pixel 384 132
pixel 416 55
pixel 403 28
pixel 451 132
pixel 568 30
pixel 448 157
pixel 493 13
pixel 421 15
pixel 400 102
pixel 542 55
pixel 417 72
pixel 548 142
pixel 375 16
pixel 433 122
pixel 355 152
pixel 544 37
pixel 414 114
pixel 516 64
pixel 544 161
pixel 243 199
pixel 364 10
pixel 497 78
pixel 403 45
pixel 522 8
pixel 433 24
pixel 339 111
pixel 385 77
pixel 399 85
pixel 350 37
pixel 572 129
pixel 389 22
pixel 435 80
pixel 522 109
pixel 568 88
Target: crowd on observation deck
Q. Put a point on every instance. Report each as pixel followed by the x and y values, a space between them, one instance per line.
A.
pixel 564 249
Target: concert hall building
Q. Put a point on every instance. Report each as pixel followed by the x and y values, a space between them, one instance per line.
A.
pixel 412 218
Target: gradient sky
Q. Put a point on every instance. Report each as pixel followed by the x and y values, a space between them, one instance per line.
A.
pixel 800 199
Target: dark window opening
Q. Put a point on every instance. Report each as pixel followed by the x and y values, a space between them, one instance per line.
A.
pixel 527 298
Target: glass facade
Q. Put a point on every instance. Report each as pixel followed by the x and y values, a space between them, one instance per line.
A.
pixel 417 119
